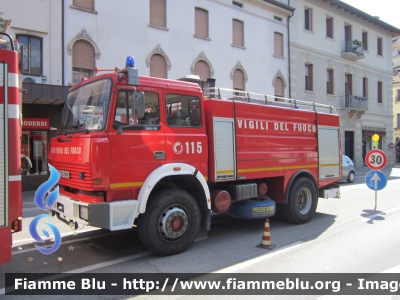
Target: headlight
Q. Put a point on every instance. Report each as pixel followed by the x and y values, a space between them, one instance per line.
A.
pixel 83 212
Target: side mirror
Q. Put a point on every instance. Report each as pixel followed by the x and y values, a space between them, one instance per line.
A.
pixel 138 105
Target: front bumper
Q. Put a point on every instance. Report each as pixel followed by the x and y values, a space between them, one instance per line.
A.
pixel 114 216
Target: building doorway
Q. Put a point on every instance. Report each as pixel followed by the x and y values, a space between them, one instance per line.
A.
pixel 349 144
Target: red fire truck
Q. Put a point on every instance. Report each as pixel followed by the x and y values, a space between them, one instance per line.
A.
pixel 163 154
pixel 10 134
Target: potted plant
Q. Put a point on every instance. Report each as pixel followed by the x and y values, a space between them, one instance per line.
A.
pixel 357 43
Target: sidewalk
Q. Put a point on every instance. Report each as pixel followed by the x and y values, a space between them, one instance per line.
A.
pixel 386 170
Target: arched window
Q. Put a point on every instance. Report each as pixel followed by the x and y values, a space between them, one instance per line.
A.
pixel 279 89
pixel 158 66
pixel 83 60
pixel 238 81
pixel 202 69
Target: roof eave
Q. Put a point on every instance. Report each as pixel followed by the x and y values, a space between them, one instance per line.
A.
pixel 360 14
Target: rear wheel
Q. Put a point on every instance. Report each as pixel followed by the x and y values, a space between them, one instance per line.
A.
pixel 351 177
pixel 302 203
pixel 171 222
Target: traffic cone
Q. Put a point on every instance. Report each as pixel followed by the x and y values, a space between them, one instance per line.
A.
pixel 266 239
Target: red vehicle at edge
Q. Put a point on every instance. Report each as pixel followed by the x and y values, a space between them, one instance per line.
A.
pixel 10 161
pixel 162 154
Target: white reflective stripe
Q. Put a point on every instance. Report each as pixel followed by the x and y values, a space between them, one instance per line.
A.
pixel 13 80
pixel 14 178
pixel 13 111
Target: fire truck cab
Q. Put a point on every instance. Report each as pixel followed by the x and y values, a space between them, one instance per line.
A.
pixel 163 154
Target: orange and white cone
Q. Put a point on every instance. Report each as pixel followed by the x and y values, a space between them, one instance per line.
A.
pixel 266 239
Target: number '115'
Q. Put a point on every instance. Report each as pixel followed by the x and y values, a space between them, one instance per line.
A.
pixel 190 147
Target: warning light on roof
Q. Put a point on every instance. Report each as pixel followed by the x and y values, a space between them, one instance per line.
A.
pixel 130 62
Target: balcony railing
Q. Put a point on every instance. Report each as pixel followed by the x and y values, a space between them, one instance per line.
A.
pixel 356 102
pixel 353 50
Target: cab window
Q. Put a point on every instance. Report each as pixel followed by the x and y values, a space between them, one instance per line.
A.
pixel 123 111
pixel 183 111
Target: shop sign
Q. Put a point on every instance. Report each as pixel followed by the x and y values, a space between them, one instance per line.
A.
pixel 35 123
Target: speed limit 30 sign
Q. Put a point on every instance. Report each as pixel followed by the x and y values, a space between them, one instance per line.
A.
pixel 376 159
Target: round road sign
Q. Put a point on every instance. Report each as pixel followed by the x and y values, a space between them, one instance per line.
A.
pixel 375 180
pixel 376 159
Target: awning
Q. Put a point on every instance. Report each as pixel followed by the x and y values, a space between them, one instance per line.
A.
pixel 371 133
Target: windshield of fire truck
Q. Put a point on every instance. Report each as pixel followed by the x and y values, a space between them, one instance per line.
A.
pixel 86 107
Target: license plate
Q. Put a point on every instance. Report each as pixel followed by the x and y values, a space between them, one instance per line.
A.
pixel 64 174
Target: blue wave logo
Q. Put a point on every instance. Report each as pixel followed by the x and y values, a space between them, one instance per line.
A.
pixel 44 199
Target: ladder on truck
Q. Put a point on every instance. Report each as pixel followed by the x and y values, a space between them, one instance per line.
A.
pixel 244 96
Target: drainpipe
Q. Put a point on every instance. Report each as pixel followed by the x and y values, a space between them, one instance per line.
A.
pixel 62 43
pixel 288 29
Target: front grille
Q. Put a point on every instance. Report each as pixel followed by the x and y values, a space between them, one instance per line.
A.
pixel 74 181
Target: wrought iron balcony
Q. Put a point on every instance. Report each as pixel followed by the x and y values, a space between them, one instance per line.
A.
pixel 355 104
pixel 352 50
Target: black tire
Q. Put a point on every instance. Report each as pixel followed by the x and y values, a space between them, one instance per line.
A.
pixel 351 177
pixel 302 202
pixel 165 209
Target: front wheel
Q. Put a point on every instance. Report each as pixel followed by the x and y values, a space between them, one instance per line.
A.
pixel 351 177
pixel 171 222
pixel 303 201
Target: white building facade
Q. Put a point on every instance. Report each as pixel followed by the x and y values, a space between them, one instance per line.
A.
pixel 343 57
pixel 224 39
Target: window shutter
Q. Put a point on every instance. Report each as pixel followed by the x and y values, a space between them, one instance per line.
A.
pixel 238 33
pixel 331 91
pixel 308 18
pixel 379 92
pixel 202 69
pixel 365 40
pixel 306 80
pixel 158 13
pixel 379 46
pixel 201 22
pixel 238 80
pixel 365 87
pixel 158 66
pixel 350 82
pixel 89 4
pixel 278 44
pixel 329 27
pixel 279 90
pixel 83 55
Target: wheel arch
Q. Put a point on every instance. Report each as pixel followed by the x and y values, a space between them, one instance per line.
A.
pixel 190 174
pixel 299 174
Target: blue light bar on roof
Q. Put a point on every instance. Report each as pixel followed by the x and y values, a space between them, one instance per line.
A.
pixel 130 62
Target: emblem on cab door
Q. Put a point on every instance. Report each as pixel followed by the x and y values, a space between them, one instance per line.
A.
pixel 178 148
